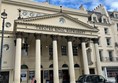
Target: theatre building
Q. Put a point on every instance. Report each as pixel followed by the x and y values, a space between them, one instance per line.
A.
pixel 54 44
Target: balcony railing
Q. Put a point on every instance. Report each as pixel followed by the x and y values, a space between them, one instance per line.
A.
pixel 109 59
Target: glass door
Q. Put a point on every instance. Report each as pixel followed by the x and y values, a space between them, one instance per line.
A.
pixel 4 77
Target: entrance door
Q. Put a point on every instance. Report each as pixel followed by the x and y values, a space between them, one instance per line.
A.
pixel 41 76
pixel 4 77
pixel 66 77
pixel 51 76
pixel 92 71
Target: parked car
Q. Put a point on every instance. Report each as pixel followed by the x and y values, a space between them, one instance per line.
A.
pixel 92 79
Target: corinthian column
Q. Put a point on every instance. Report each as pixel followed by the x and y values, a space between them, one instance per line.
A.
pixel 55 60
pixel 99 69
pixel 85 60
pixel 71 61
pixel 17 59
pixel 38 59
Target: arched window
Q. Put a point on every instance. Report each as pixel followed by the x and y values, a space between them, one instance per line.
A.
pixel 94 18
pixel 104 19
pixel 51 66
pixel 24 66
pixel 64 66
pixel 76 65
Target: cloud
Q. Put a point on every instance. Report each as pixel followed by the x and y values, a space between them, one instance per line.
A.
pixel 114 5
pixel 88 4
pixel 111 4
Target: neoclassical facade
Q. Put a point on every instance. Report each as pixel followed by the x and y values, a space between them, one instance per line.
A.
pixel 56 44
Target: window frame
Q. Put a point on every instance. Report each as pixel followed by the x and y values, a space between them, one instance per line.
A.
pixel 106 30
pixel 101 55
pixel 110 52
pixel 64 50
pixel 75 51
pixel 108 41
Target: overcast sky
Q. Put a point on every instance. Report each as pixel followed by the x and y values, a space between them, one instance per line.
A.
pixel 88 4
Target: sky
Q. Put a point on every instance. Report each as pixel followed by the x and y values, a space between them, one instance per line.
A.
pixel 110 5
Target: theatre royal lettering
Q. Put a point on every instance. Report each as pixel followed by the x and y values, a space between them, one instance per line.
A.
pixel 57 29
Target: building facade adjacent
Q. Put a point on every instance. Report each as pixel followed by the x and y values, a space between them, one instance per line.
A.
pixel 57 45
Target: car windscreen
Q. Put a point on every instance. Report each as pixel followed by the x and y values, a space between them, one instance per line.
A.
pixel 81 78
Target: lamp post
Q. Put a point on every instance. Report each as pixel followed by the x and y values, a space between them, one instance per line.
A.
pixel 3 16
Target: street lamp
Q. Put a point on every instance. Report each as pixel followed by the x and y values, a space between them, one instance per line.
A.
pixel 3 16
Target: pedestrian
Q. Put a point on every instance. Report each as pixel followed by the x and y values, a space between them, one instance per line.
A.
pixel 33 79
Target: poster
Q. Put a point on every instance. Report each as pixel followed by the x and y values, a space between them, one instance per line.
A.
pixel 31 75
pixel 23 75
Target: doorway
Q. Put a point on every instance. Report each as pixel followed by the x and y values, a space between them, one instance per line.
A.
pixel 41 76
pixel 51 76
pixel 4 77
pixel 65 77
pixel 92 71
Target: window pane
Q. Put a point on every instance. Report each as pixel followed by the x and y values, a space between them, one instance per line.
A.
pixel 75 50
pixel 50 50
pixel 94 19
pixel 117 26
pixel 100 54
pixel 104 20
pixel 112 71
pixel 108 41
pixel 110 56
pixel 106 30
pixel 63 50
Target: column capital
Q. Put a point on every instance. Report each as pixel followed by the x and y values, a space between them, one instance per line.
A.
pixel 69 38
pixel 37 36
pixel 95 40
pixel 19 35
pixel 54 37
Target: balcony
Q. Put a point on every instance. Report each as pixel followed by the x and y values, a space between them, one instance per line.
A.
pixel 109 59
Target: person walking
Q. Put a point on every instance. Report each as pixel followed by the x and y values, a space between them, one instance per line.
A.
pixel 33 79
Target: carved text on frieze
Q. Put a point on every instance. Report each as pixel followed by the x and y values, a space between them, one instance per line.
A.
pixel 62 30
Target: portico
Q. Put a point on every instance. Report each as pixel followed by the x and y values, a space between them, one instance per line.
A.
pixel 79 32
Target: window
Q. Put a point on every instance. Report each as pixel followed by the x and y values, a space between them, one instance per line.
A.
pixel 50 50
pixel 94 19
pixel 110 55
pixel 25 47
pixel 63 50
pixel 116 15
pixel 100 54
pixel 75 50
pixel 108 41
pixel 112 71
pixel 106 30
pixel 104 20
pixel 117 26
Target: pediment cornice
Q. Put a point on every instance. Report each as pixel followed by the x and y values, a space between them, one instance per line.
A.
pixel 25 20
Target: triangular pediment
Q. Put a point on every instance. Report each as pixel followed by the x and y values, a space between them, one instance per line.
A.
pixel 57 20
